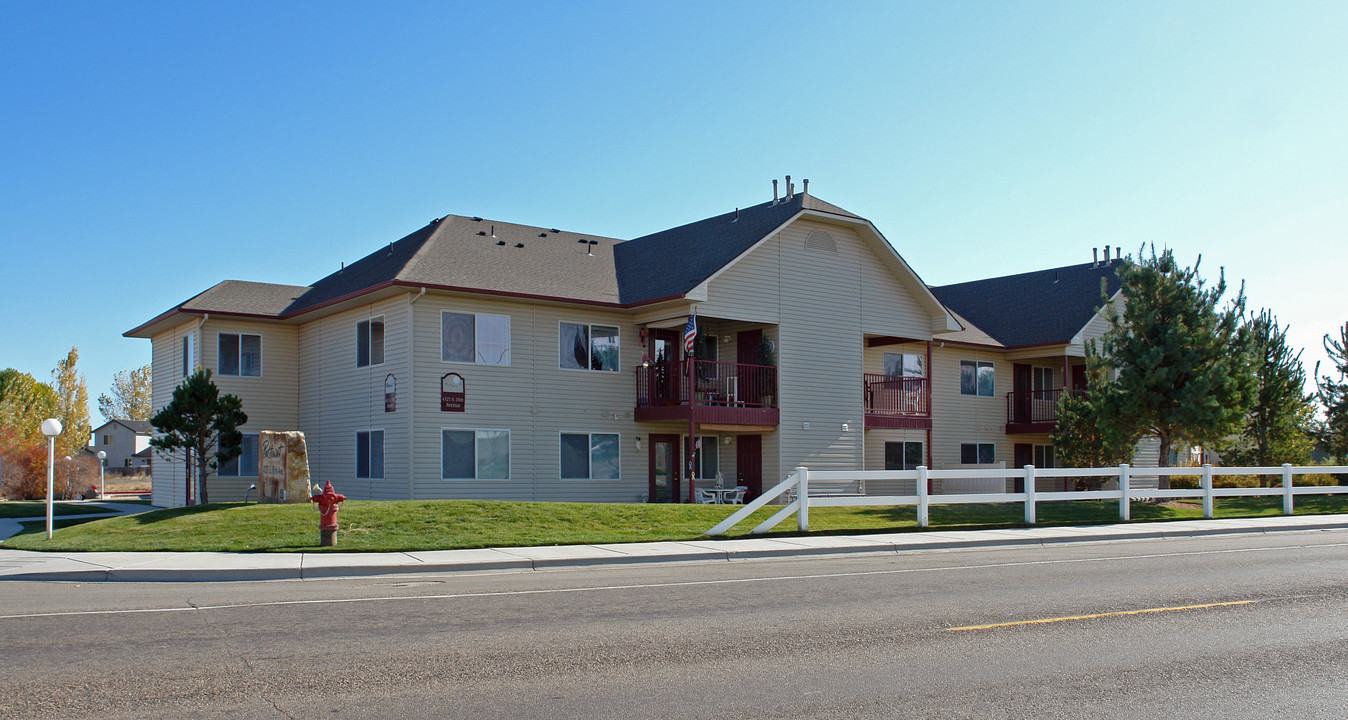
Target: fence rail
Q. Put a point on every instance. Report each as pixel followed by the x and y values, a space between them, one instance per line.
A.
pixel 796 487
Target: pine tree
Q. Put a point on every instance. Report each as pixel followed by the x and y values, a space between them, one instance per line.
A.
pixel 1278 427
pixel 1081 438
pixel 1333 395
pixel 201 426
pixel 72 405
pixel 1182 365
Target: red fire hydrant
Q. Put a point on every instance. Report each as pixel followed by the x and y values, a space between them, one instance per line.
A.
pixel 327 501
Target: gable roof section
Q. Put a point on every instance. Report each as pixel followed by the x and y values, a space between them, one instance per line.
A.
pixel 140 427
pixel 672 262
pixel 1034 308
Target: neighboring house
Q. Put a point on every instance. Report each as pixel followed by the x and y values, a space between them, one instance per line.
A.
pixel 482 359
pixel 126 442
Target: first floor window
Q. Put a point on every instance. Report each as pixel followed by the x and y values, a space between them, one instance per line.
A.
pixel 475 454
pixel 905 365
pixel 245 464
pixel 1043 456
pixel 903 455
pixel 706 457
pixel 978 453
pixel 370 342
pixel 240 354
pixel 589 456
pixel 370 454
pixel 588 347
pixel 976 378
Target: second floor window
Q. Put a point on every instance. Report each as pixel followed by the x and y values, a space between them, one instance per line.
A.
pixel 240 354
pixel 470 338
pixel 905 365
pixel 589 347
pixel 976 378
pixel 370 342
pixel 187 355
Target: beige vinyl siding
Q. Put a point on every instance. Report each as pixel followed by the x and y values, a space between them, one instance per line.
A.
pixel 534 398
pixel 168 479
pixel 338 399
pixel 957 418
pixel 269 400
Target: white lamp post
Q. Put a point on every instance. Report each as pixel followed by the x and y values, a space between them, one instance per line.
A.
pixel 51 427
pixel 102 463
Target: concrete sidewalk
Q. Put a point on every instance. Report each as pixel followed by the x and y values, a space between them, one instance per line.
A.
pixel 215 567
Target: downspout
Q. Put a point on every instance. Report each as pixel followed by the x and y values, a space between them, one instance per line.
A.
pixel 411 395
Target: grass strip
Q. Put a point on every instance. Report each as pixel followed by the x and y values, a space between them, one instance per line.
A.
pixel 384 526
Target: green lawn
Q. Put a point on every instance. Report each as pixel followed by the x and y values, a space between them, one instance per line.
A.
pixel 450 524
pixel 21 509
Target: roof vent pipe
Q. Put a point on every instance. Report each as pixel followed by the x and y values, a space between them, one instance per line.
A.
pixel 805 187
pixel 774 191
pixel 1106 254
pixel 1095 257
pixel 790 190
pixel 1118 252
pixel 737 215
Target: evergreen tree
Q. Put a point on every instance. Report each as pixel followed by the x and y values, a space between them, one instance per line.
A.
pixel 1333 395
pixel 72 405
pixel 1278 426
pixel 201 426
pixel 130 399
pixel 1081 438
pixel 1181 364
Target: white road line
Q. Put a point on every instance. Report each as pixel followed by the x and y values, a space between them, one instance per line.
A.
pixel 648 586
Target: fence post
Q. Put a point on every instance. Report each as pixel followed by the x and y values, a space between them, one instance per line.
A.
pixel 803 495
pixel 1029 494
pixel 1125 503
pixel 922 520
pixel 1207 491
pixel 1286 488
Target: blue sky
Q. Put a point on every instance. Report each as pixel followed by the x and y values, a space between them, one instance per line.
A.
pixel 150 150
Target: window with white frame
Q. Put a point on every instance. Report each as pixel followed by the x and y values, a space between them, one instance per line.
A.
pixel 590 456
pixel 706 457
pixel 978 453
pixel 976 378
pixel 187 354
pixel 1041 382
pixel 370 454
pixel 370 342
pixel 588 347
pixel 240 355
pixel 474 454
pixel 475 338
pixel 1043 456
pixel 905 365
pixel 245 463
pixel 903 455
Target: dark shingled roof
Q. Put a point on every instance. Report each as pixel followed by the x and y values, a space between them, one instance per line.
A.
pixel 672 262
pixel 1034 308
pixel 245 298
pixel 141 426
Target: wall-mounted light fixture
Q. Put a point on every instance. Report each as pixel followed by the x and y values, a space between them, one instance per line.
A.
pixel 638 438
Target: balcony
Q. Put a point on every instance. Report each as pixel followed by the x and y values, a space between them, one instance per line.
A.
pixel 719 393
pixel 894 401
pixel 1033 411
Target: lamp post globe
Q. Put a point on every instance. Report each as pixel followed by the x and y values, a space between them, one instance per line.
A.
pixel 51 427
pixel 102 463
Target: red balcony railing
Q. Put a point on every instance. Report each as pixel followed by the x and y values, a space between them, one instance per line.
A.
pixel 896 395
pixel 1034 406
pixel 722 384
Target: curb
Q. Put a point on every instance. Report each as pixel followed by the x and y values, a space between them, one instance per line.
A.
pixel 312 566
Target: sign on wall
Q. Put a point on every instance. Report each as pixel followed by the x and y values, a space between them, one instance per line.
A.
pixel 390 393
pixel 452 393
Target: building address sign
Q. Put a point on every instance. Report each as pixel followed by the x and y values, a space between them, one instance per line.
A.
pixel 452 393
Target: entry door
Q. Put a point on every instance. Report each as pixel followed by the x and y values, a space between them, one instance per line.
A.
pixel 664 468
pixel 749 463
pixel 1020 385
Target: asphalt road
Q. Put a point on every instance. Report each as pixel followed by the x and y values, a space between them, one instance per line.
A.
pixel 1265 634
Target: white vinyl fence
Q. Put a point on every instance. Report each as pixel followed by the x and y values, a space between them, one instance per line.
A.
pixel 807 488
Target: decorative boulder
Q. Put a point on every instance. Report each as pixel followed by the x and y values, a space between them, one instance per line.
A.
pixel 283 467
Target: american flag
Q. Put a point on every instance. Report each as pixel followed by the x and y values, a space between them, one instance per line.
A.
pixel 689 333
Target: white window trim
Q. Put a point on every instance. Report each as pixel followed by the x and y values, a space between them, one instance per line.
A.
pixel 921 443
pixel 510 453
pixel 976 443
pixel 355 443
pixel 590 435
pixel 697 454
pixel 369 341
pixel 261 351
pixel 590 328
pixel 510 320
pixel 220 466
pixel 884 364
pixel 976 363
pixel 187 365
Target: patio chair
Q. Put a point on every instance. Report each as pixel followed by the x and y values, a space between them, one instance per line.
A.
pixel 705 497
pixel 736 496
